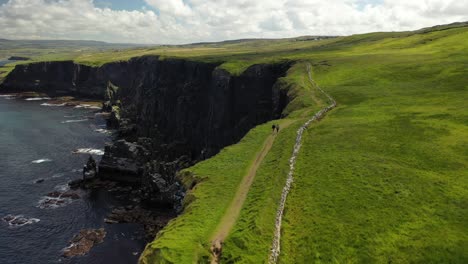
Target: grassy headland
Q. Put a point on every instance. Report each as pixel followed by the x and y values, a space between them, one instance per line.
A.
pixel 383 178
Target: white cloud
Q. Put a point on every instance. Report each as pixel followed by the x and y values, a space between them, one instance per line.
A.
pixel 182 21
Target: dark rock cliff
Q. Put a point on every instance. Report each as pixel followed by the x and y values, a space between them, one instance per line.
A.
pixel 170 113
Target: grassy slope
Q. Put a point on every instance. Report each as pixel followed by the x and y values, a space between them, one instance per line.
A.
pixel 384 177
pixel 186 238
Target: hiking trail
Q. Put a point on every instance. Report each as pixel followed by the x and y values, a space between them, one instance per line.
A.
pixel 232 213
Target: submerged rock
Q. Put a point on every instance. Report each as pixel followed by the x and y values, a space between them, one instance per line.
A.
pixel 57 199
pixel 19 220
pixel 40 180
pixel 82 243
pixel 151 220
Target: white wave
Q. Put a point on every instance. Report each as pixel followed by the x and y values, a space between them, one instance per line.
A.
pixel 62 187
pixel 41 161
pixel 92 151
pixel 86 106
pixel 47 104
pixel 74 121
pixel 37 98
pixel 103 131
pixel 19 220
pixel 6 95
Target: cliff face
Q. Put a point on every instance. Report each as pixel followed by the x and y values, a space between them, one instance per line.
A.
pixel 171 113
pixel 55 79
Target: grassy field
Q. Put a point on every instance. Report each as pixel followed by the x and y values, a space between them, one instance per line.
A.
pixel 383 178
pixel 187 238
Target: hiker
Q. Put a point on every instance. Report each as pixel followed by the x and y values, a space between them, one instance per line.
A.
pixel 277 128
pixel 273 127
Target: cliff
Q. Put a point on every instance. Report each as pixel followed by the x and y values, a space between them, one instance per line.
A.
pixel 170 113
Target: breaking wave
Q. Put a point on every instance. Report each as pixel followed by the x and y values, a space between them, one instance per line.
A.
pixel 86 106
pixel 74 121
pixel 92 151
pixel 47 104
pixel 37 99
pixel 41 161
pixel 103 131
pixel 19 220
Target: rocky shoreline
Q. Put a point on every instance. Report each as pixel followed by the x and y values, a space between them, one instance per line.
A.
pixel 167 115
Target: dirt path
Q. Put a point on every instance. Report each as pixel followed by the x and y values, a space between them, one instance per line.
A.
pixel 233 211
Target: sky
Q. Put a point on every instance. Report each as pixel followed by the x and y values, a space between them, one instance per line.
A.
pixel 188 21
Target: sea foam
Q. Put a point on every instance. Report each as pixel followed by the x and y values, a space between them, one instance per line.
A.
pixel 92 151
pixel 74 121
pixel 37 99
pixel 19 220
pixel 86 106
pixel 47 104
pixel 41 161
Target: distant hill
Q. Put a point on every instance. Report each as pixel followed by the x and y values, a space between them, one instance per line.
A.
pixel 238 41
pixel 38 48
pixel 65 43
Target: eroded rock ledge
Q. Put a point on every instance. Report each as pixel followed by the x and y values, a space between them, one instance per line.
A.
pixel 169 113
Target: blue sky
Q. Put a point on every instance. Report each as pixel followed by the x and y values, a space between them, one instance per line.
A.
pixel 116 4
pixel 122 4
pixel 185 21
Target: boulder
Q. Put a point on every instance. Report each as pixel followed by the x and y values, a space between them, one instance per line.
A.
pixel 82 243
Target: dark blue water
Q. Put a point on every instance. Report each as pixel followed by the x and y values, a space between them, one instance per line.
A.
pixel 3 62
pixel 29 132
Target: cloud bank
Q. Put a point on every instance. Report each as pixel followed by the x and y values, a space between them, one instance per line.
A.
pixel 185 21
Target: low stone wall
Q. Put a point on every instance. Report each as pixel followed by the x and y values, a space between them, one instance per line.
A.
pixel 276 246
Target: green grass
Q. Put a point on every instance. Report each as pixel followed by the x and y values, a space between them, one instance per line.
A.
pixel 186 239
pixel 383 178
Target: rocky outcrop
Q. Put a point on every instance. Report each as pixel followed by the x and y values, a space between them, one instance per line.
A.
pixel 124 161
pixel 169 113
pixel 82 243
pixel 90 169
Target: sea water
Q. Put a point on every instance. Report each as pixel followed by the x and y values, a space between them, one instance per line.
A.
pixel 38 155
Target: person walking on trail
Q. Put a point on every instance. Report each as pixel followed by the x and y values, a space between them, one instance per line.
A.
pixel 273 127
pixel 277 128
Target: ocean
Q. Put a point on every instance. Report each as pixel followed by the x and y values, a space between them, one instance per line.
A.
pixel 36 143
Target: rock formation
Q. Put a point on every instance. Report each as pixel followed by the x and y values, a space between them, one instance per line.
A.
pixel 169 113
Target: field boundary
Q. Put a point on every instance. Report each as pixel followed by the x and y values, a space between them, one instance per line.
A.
pixel 276 245
pixel 232 213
